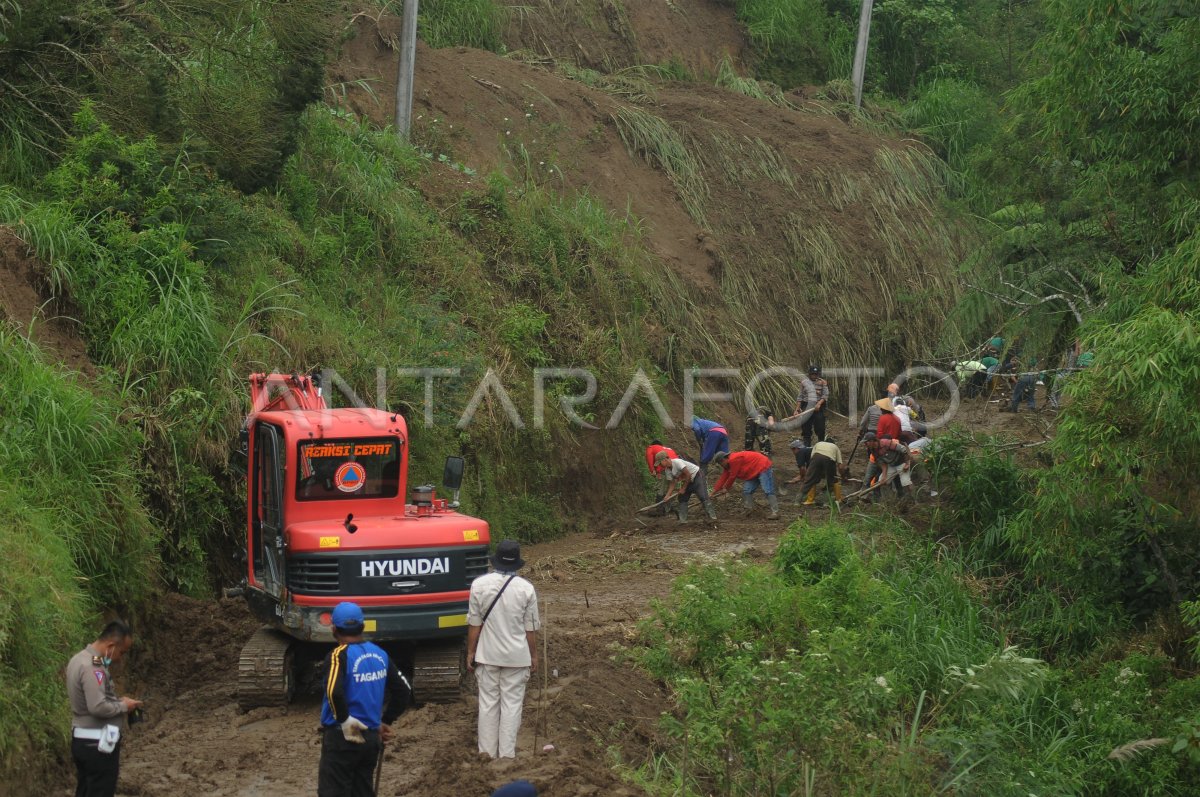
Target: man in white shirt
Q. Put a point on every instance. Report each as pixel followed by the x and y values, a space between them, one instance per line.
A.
pixel 503 621
pixel 685 480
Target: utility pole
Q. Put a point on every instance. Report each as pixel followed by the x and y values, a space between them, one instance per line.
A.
pixel 860 50
pixel 408 59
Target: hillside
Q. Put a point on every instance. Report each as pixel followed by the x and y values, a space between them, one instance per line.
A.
pixel 738 196
pixel 613 190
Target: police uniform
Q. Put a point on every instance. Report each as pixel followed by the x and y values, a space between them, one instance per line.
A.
pixel 362 683
pixel 94 704
pixel 815 425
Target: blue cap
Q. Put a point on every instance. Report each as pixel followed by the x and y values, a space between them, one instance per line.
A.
pixel 518 788
pixel 348 616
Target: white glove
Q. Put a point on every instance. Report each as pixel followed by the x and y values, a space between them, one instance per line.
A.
pixel 352 729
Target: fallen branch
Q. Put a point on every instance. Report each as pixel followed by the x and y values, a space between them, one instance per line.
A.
pixel 489 84
pixel 1012 446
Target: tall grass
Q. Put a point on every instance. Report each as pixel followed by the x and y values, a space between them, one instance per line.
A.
pixel 462 23
pixel 654 139
pixel 727 77
pixel 43 613
pixel 75 536
pixel 795 41
pixel 53 234
pixel 510 276
pixel 818 275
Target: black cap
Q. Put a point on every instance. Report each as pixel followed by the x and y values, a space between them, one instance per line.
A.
pixel 508 556
pixel 814 369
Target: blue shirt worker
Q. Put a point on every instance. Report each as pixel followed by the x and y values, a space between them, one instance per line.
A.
pixel 364 694
pixel 711 437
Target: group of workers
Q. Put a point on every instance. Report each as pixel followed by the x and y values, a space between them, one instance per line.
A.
pixel 892 431
pixel 996 367
pixel 364 691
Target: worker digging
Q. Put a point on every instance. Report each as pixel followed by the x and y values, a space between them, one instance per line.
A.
pixel 892 430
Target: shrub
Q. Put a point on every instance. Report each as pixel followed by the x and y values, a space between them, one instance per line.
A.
pixel 806 554
pixel 955 115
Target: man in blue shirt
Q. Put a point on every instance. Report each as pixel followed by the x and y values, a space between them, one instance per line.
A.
pixel 364 694
pixel 711 437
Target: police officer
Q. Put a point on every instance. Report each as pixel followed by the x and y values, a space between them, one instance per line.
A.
pixel 354 721
pixel 98 715
pixel 814 396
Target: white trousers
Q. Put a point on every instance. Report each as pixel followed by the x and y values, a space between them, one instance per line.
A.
pixel 501 698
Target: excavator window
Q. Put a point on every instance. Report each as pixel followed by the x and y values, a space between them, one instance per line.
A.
pixel 347 468
pixel 268 498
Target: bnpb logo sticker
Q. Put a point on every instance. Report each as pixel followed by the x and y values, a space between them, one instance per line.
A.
pixel 350 477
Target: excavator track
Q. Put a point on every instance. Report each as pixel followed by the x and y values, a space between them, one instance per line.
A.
pixel 265 675
pixel 438 672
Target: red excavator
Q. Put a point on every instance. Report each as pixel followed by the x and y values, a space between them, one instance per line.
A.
pixel 327 521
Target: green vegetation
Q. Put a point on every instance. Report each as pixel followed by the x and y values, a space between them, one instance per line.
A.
pixel 912 41
pixel 229 77
pixel 865 660
pixel 1098 243
pixel 797 41
pixel 460 23
pixel 182 283
pixel 75 534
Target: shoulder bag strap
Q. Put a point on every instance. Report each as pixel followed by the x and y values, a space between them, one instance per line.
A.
pixel 492 605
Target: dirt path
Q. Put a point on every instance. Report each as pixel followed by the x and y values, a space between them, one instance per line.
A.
pixel 594 587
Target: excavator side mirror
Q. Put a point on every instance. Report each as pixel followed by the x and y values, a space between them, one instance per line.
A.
pixel 452 474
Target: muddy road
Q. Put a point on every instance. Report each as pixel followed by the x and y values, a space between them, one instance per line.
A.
pixel 596 707
pixel 593 705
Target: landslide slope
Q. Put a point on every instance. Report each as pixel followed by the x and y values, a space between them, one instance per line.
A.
pixel 787 230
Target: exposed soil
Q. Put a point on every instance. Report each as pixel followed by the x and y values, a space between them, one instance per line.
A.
pixel 696 34
pixel 490 112
pixel 25 302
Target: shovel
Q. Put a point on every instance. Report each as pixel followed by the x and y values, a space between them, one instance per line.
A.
pixel 652 506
